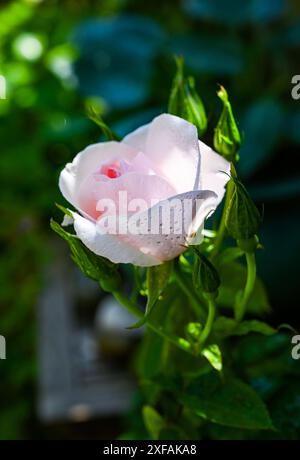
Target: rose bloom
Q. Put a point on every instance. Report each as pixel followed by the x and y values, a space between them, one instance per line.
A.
pixel 163 163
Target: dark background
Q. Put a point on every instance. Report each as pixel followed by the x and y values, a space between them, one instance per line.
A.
pixel 58 56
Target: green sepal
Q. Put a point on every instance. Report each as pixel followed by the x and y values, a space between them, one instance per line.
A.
pixel 95 116
pixel 95 267
pixel 66 211
pixel 205 274
pixel 242 218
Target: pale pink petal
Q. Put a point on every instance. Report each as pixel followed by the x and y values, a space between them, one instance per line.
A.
pixel 133 186
pixel 67 220
pixel 137 139
pixel 87 162
pixel 165 240
pixel 215 171
pixel 172 145
pixel 110 246
pixel 142 164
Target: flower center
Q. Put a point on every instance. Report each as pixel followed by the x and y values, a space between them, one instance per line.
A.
pixel 112 171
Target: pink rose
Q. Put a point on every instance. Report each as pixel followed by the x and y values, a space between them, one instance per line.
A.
pixel 161 165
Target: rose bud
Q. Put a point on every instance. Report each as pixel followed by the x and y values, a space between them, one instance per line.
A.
pixel 184 100
pixel 243 219
pixel 194 108
pixel 227 139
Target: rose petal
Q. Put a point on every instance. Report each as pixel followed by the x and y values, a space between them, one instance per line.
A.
pixel 67 220
pixel 215 171
pixel 171 144
pixel 137 139
pixel 165 243
pixel 142 164
pixel 136 186
pixel 110 246
pixel 87 162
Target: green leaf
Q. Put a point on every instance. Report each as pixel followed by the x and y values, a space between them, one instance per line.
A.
pixel 230 403
pixel 150 356
pixel 225 327
pixel 285 410
pixel 213 354
pixel 95 267
pixel 233 277
pixel 265 354
pixel 153 421
pixel 157 279
pixel 254 326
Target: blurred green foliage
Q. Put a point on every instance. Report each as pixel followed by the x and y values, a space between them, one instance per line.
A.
pixel 42 125
pixel 117 54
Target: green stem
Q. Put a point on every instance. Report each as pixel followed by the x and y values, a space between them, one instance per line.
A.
pixel 210 319
pixel 193 298
pixel 136 290
pixel 132 308
pixel 250 282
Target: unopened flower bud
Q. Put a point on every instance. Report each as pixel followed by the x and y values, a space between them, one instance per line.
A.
pixel 243 219
pixel 227 139
pixel 194 108
pixel 193 331
pixel 184 100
